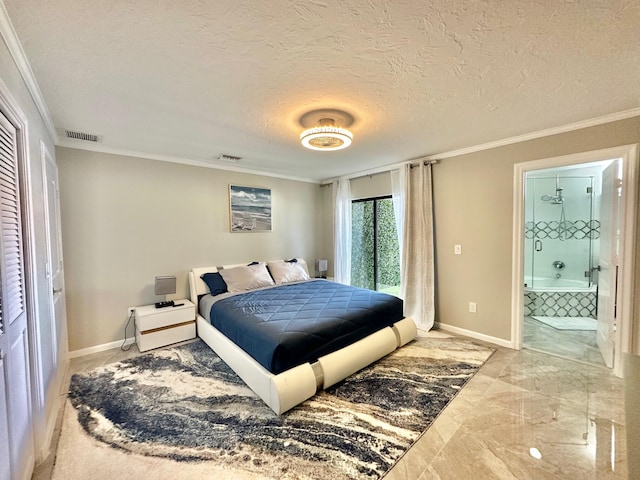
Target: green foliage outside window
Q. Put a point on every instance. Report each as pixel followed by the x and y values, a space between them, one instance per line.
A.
pixel 362 251
pixel 388 249
pixel 367 250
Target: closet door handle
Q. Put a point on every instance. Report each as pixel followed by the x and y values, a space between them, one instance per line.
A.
pixel 538 245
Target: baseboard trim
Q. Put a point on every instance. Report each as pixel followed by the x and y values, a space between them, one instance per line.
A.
pixel 100 348
pixel 478 336
pixel 442 326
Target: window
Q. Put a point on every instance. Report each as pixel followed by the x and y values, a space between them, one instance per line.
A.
pixel 375 254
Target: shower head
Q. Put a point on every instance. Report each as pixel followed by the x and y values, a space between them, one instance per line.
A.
pixel 558 198
pixel 554 199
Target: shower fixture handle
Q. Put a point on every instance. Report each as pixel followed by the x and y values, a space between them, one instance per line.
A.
pixel 589 273
pixel 558 265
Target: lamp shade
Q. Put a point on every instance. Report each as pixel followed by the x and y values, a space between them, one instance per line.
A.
pixel 321 265
pixel 165 285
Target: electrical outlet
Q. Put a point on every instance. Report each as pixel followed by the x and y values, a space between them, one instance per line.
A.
pixel 473 308
pixel 130 311
pixel 457 249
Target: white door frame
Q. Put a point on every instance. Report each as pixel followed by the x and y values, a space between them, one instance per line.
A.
pixel 58 340
pixel 630 169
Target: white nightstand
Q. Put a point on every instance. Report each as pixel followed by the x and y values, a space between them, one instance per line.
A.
pixel 157 327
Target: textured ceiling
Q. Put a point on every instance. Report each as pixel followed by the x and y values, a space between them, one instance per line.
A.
pixel 193 79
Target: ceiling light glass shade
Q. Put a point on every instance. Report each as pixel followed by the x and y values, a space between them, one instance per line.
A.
pixel 326 137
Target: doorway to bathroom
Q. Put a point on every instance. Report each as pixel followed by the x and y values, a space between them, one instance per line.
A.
pixel 574 235
pixel 562 234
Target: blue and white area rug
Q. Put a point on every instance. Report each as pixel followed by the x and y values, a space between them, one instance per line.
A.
pixel 182 413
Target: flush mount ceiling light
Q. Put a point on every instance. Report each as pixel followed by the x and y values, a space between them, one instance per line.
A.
pixel 326 135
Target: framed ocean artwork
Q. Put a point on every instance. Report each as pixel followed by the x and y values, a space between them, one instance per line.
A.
pixel 250 209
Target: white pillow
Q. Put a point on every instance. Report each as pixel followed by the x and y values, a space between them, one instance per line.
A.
pixel 287 272
pixel 246 277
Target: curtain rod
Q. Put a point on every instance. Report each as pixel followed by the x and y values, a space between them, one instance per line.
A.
pixel 425 162
pixel 387 168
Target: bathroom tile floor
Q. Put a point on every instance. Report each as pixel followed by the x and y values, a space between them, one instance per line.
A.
pixel 573 344
pixel 524 415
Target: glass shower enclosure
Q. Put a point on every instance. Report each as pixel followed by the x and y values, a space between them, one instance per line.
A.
pixel 560 232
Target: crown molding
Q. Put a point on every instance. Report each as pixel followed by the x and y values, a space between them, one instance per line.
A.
pixel 22 63
pixel 592 122
pixel 183 161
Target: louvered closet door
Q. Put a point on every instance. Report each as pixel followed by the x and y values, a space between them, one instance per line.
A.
pixel 16 441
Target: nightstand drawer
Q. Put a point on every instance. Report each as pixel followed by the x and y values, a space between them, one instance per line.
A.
pixel 165 336
pixel 149 317
pixel 157 327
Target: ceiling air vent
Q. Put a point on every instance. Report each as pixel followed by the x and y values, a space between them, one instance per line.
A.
pixel 87 137
pixel 229 158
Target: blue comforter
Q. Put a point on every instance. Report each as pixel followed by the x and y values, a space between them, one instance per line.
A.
pixel 288 325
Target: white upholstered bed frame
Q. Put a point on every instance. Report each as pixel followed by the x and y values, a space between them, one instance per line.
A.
pixel 284 391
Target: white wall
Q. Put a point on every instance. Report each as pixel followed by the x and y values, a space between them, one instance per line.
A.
pixel 378 185
pixel 126 220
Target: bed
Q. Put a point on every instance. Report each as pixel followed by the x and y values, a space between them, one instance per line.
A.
pixel 288 365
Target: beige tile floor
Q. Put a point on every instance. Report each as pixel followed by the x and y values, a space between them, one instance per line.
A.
pixel 579 345
pixel 524 415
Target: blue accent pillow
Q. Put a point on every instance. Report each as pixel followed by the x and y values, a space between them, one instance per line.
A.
pixel 215 282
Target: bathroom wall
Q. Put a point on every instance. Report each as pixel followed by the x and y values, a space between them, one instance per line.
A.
pixel 559 233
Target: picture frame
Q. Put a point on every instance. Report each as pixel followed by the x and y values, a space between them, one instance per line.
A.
pixel 249 209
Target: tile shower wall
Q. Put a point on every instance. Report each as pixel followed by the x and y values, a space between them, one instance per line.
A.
pixel 560 304
pixel 554 303
pixel 577 230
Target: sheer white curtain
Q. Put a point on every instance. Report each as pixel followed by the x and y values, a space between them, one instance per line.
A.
pixel 398 191
pixel 342 231
pixel 417 252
